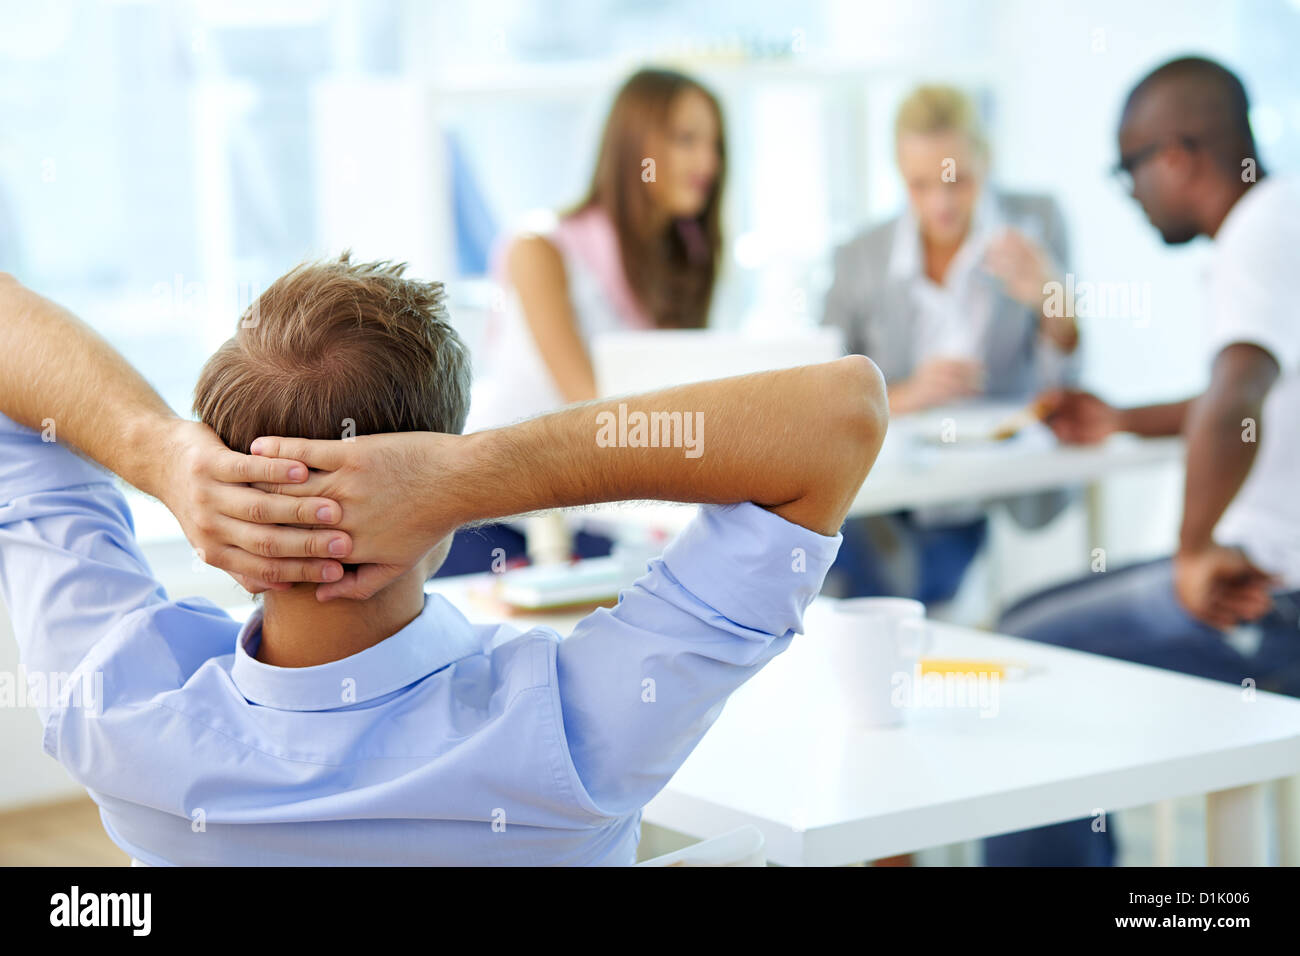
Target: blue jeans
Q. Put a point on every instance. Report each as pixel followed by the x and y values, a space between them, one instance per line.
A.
pixel 472 549
pixel 894 555
pixel 1133 614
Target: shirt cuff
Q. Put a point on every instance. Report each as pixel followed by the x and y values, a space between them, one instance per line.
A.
pixel 751 565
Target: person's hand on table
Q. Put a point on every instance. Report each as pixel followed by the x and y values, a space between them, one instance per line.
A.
pixel 1078 418
pixel 1221 587
pixel 937 381
pixel 240 529
pixel 383 484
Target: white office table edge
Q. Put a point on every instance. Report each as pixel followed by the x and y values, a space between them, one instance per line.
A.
pixel 1236 817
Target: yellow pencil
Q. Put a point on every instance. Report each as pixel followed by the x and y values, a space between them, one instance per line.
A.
pixel 960 665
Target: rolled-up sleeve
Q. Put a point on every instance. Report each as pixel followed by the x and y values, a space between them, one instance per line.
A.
pixel 70 567
pixel 640 684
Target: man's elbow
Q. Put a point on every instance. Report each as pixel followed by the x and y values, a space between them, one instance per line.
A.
pixel 860 417
pixel 852 424
pixel 839 439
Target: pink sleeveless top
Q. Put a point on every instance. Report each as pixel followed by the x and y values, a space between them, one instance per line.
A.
pixel 589 237
pixel 514 382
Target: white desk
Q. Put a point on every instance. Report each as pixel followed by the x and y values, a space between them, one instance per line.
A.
pixel 940 475
pixel 1087 734
pixel 1080 734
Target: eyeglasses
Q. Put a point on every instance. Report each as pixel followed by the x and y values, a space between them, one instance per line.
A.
pixel 1127 167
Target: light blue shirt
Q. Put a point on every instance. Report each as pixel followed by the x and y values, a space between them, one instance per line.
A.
pixel 447 743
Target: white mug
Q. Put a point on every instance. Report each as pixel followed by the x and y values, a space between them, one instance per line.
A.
pixel 869 648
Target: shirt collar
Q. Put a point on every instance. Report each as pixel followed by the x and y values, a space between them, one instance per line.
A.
pixel 905 256
pixel 439 636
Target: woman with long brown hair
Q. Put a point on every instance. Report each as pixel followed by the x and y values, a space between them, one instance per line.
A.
pixel 640 251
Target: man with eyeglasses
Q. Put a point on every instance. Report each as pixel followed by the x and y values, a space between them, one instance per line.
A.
pixel 1224 606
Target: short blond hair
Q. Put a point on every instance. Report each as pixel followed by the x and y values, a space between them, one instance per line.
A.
pixel 940 109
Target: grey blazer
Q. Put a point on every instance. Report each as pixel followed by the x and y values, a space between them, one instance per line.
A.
pixel 877 313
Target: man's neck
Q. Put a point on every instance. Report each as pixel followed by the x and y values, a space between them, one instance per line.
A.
pixel 299 631
pixel 938 257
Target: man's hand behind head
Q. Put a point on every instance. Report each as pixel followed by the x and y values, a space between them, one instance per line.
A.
pixel 240 529
pixel 383 484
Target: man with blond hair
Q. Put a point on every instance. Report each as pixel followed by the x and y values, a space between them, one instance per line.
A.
pixel 950 299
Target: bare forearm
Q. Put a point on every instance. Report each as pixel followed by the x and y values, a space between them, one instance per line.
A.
pixel 798 442
pixel 1153 421
pixel 1218 461
pixel 573 375
pixel 537 272
pixel 58 375
pixel 1222 439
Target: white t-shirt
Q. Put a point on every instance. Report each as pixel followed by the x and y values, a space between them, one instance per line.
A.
pixel 1252 277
